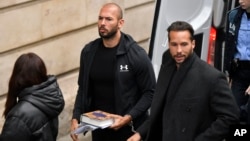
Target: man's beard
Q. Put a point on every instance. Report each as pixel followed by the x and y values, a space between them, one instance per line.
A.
pixel 109 35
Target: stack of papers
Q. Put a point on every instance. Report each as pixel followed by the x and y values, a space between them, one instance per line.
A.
pixel 84 128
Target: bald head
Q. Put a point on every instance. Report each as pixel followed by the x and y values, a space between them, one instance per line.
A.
pixel 115 7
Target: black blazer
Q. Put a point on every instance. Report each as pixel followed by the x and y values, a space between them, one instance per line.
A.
pixel 199 104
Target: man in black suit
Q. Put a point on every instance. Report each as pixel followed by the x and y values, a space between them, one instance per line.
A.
pixel 192 101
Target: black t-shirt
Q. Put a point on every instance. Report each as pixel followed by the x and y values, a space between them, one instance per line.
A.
pixel 102 74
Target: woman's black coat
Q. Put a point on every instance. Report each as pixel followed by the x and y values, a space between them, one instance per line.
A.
pixel 35 116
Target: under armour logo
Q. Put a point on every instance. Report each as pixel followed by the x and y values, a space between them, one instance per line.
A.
pixel 124 68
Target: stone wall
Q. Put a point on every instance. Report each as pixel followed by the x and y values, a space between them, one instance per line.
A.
pixel 57 30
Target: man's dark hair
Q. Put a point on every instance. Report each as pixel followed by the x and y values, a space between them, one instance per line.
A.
pixel 181 26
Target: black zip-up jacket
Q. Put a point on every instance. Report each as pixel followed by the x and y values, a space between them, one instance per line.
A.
pixel 232 30
pixel 35 116
pixel 134 80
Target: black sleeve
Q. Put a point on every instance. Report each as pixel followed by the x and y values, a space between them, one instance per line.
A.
pixel 145 79
pixel 15 130
pixel 77 111
pixel 224 106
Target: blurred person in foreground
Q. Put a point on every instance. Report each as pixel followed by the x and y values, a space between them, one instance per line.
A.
pixel 237 56
pixel 34 102
pixel 192 101
pixel 115 76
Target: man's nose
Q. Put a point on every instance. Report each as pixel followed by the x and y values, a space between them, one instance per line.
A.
pixel 103 21
pixel 179 49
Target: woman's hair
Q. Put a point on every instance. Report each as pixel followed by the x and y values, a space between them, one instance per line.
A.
pixel 29 70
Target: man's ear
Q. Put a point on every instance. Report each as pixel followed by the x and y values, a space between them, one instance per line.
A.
pixel 193 44
pixel 120 23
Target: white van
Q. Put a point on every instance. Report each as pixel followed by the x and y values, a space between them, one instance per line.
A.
pixel 208 18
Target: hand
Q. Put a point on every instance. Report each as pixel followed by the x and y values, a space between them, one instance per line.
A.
pixel 247 92
pixel 135 137
pixel 120 121
pixel 74 125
